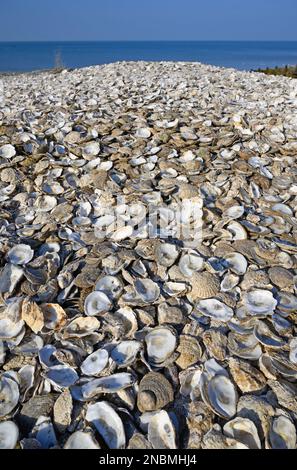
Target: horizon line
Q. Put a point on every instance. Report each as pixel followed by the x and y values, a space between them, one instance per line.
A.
pixel 146 40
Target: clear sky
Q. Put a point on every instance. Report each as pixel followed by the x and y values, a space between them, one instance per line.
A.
pixel 69 20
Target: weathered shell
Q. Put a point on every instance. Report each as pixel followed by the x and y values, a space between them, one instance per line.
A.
pixel 282 434
pixel 246 377
pixel 62 376
pixel 9 393
pixel 293 350
pixel 32 315
pixel 108 424
pixel 215 309
pixel 9 434
pixel 54 316
pixel 234 212
pixel 160 345
pixel 166 254
pixel 138 441
pixel 81 326
pixel 143 133
pixel 111 286
pixel 229 282
pixel 9 329
pixel 161 431
pixel 243 430
pixel 244 346
pixel 216 343
pixel 122 323
pixel 204 286
pixel 259 302
pixel 220 394
pixel 125 352
pixel 155 392
pixel 9 278
pixel 81 440
pixel 63 408
pixel 122 233
pixel 265 336
pixel 190 351
pixel 20 254
pixel 148 290
pixel 97 303
pixel 44 432
pixel 95 362
pixel 237 263
pixel 190 263
pixel 7 151
pixel 110 384
pixel 281 277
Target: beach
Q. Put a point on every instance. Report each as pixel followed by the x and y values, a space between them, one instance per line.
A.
pixel 148 258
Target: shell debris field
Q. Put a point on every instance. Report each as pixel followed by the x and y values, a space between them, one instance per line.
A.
pixel 119 326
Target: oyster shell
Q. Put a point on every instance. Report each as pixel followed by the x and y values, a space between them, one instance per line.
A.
pixel 9 435
pixel 155 392
pixel 108 423
pixel 160 345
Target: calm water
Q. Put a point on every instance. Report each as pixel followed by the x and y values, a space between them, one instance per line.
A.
pixel 241 55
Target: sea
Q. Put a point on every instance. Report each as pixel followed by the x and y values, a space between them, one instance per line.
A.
pixel 30 56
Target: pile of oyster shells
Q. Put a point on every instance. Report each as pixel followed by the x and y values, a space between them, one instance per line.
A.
pixel 128 341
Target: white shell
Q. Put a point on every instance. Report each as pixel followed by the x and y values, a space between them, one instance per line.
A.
pixel 229 282
pixel 237 231
pixel 166 254
pixel 108 424
pixel 9 329
pixel 147 290
pixel 7 151
pixel 91 150
pixel 97 303
pixel 81 440
pixel 44 432
pixel 160 344
pixel 111 286
pixel 237 263
pixel 243 430
pixel 20 254
pixel 9 434
pixel 95 362
pixel 62 376
pixel 286 302
pixel 234 212
pixel 125 352
pixel 45 203
pixel 9 392
pixel 190 263
pixel 282 433
pixel 265 336
pixel 143 133
pixel 122 233
pixel 259 302
pixel 220 394
pixel 9 277
pixel 161 432
pixel 215 309
pixel 111 384
pixel 293 350
pixel 46 356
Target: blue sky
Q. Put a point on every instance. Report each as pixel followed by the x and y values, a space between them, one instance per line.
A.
pixel 46 20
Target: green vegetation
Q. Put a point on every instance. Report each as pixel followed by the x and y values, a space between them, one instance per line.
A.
pixel 287 71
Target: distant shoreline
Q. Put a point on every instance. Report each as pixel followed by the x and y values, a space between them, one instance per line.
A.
pixel 289 71
pixel 241 55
